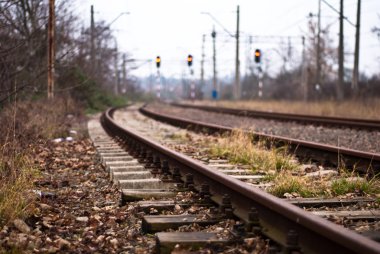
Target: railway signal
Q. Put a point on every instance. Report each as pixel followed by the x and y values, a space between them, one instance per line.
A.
pixel 158 61
pixel 257 56
pixel 189 60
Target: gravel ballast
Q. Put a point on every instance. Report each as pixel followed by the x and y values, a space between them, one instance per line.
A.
pixel 362 140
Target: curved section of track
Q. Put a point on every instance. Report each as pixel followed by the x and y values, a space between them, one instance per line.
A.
pixel 280 221
pixel 307 119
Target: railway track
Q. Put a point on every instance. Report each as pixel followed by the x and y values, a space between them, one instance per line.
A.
pixel 306 119
pixel 243 211
pixel 364 162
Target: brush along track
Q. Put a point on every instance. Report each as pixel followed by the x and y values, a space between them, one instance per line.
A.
pixel 338 122
pixel 366 162
pixel 282 222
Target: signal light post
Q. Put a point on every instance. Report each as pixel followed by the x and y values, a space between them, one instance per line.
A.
pixel 214 82
pixel 158 88
pixel 258 61
pixel 192 84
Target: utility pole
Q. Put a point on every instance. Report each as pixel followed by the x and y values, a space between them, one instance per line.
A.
pixel 237 61
pixel 116 59
pixel 305 90
pixel 339 90
pixel 355 74
pixel 203 62
pixel 318 74
pixel 124 73
pixel 51 49
pixel 214 85
pixel 92 35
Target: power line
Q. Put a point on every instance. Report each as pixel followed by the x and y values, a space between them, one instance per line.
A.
pixel 292 25
pixel 338 12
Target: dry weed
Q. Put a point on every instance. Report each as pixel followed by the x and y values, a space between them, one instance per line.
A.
pixel 239 148
pixel 25 126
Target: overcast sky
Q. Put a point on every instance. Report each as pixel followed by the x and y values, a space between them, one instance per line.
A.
pixel 173 29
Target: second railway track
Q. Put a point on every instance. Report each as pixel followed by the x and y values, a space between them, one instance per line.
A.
pixel 332 146
pixel 340 122
pixel 290 228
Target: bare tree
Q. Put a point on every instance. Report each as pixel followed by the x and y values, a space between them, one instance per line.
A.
pixel 23 49
pixel 328 57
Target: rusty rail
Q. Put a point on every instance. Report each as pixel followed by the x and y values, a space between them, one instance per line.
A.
pixel 286 224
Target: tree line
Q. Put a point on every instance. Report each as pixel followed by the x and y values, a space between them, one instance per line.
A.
pixel 23 52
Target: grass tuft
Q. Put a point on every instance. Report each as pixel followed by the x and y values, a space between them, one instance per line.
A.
pixel 284 182
pixel 15 188
pixel 239 148
pixel 355 185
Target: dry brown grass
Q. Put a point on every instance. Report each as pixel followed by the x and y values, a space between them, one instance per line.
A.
pixel 239 148
pixel 284 172
pixel 368 109
pixel 15 187
pixel 26 125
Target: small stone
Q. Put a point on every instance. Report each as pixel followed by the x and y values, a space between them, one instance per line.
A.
pixel 288 195
pixel 95 208
pixel 322 173
pixel 22 226
pixel 62 243
pixel 100 239
pixel 219 229
pixel 82 219
pixel 192 209
pixel 295 195
pixel 22 239
pixel 114 243
pixel 307 168
pixel 46 224
pixel 4 230
pixel 355 179
pixel 45 207
pixel 177 207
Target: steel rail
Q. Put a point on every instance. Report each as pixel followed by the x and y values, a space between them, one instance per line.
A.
pixel 282 222
pixel 363 162
pixel 301 118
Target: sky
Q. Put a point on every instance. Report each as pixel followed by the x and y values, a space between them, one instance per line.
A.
pixel 172 29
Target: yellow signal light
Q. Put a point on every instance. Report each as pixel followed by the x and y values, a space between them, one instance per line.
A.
pixel 257 55
pixel 189 60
